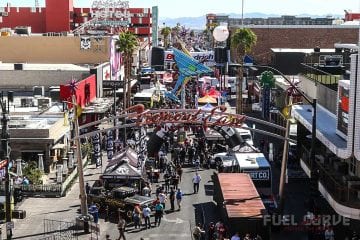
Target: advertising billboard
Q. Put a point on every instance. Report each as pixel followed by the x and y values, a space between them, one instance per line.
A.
pixel 343 108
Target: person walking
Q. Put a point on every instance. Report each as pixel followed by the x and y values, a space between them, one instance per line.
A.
pixel 121 227
pixel 137 216
pixel 198 232
pixel 159 209
pixel 146 214
pixel 167 181
pixel 179 171
pixel 236 236
pixel 179 196
pixel 162 198
pixel 196 181
pixel 172 198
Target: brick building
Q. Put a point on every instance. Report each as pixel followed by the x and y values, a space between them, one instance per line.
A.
pixel 302 36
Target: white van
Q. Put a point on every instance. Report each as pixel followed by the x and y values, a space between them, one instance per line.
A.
pixel 245 134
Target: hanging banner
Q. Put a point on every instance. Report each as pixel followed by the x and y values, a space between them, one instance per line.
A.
pixel 109 145
pixel 97 149
pixel 266 103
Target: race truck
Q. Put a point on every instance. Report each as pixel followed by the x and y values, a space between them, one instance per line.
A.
pixel 123 198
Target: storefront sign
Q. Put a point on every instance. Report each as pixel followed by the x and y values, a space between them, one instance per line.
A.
pixel 261 175
pixel 207 58
pixel 343 108
pixel 215 117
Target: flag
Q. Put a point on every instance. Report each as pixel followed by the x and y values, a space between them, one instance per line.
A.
pixel 79 111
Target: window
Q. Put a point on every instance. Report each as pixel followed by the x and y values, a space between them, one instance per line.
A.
pixel 352 167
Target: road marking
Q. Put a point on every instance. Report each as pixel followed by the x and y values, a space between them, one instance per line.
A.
pixel 176 221
pixel 177 235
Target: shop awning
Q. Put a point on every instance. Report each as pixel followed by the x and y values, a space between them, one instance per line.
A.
pixel 325 128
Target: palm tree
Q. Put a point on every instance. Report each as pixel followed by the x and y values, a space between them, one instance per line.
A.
pixel 126 44
pixel 242 41
pixel 166 32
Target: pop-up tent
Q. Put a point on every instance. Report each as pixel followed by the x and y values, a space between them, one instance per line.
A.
pixel 213 93
pixel 207 99
pixel 123 166
pixel 122 170
pixel 207 107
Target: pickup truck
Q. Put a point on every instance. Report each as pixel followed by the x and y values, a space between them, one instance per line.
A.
pixel 123 198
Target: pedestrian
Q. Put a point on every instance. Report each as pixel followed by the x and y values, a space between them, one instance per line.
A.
pixel 167 182
pixel 198 232
pixel 179 196
pixel 172 198
pixel 329 233
pixel 137 216
pixel 236 236
pixel 179 171
pixel 146 190
pixel 159 209
pixel 162 198
pixel 196 181
pixel 87 188
pixel 175 180
pixel 121 227
pixel 146 215
pixel 247 237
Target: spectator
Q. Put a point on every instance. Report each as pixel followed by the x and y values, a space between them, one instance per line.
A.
pixel 179 171
pixel 329 233
pixel 236 236
pixel 87 188
pixel 172 198
pixel 196 181
pixel 159 209
pixel 247 237
pixel 137 216
pixel 198 232
pixel 121 227
pixel 146 214
pixel 179 196
pixel 162 198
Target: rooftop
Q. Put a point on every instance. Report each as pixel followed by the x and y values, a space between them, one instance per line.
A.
pixel 43 67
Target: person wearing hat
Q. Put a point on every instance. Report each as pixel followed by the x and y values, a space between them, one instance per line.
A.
pixel 146 214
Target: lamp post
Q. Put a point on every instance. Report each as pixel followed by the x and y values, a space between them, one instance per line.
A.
pixel 313 103
pixel 5 157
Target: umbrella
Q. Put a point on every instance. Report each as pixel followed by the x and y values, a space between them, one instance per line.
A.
pixel 207 99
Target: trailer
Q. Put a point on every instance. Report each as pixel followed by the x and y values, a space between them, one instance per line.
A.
pixel 240 205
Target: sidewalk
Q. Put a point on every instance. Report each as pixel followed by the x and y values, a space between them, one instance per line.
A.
pixel 62 209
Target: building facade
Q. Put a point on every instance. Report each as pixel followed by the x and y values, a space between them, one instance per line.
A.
pixel 63 17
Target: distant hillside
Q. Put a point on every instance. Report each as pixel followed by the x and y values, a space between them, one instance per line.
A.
pixel 200 22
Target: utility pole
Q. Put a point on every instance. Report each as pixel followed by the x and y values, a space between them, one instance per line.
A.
pixel 5 157
pixel 83 197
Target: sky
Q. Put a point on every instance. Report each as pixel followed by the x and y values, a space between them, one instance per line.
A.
pixel 196 8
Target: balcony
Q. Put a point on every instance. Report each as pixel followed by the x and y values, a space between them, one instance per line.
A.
pixel 340 189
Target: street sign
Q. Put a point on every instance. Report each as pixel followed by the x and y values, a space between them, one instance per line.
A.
pixel 9 225
pixel 248 61
pixel 112 84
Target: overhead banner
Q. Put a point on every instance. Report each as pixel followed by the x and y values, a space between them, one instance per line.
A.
pixel 207 58
pixel 97 149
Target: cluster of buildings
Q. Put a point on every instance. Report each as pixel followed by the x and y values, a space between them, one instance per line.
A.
pixel 64 43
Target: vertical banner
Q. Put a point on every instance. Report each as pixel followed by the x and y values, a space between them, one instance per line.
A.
pixel 109 145
pixel 266 103
pixel 154 32
pixel 97 149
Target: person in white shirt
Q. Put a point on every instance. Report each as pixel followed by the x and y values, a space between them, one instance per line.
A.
pixel 236 236
pixel 196 181
pixel 162 198
pixel 146 214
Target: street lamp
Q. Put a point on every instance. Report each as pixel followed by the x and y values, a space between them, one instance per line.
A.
pixel 313 103
pixel 5 160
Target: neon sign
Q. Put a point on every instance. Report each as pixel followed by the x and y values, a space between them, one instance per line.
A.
pixel 104 9
pixel 215 117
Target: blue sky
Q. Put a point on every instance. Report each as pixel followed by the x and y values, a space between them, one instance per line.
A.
pixel 195 8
